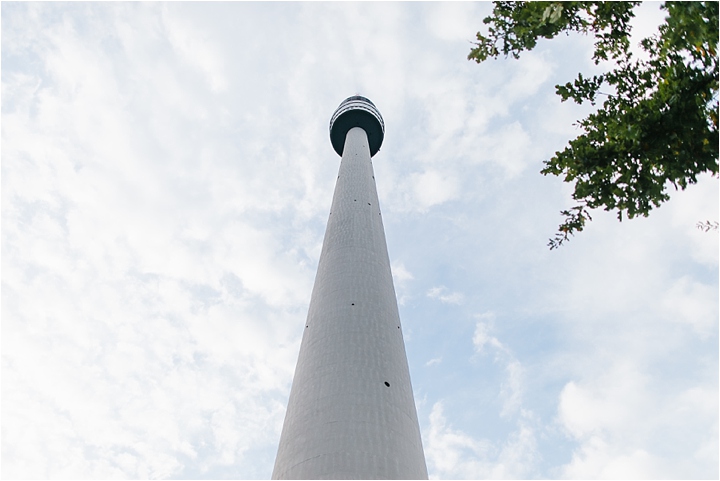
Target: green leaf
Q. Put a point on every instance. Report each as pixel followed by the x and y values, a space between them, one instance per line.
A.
pixel 657 126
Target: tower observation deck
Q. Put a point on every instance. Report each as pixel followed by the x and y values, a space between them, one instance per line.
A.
pixel 351 412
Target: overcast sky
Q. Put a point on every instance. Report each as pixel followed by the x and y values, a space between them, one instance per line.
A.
pixel 167 175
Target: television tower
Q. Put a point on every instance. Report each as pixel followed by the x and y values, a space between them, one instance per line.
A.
pixel 351 413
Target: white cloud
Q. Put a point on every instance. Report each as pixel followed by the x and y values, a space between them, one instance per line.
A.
pixel 587 413
pixel 482 336
pixel 400 273
pixel 401 276
pixel 512 387
pixel 438 292
pixel 195 48
pixel 148 329
pixel 509 149
pixel 594 462
pixel 435 360
pixel 452 454
pixel 447 449
pixel 697 203
pixel 528 76
pixel 432 188
pixel 648 17
pixel 623 426
pixel 692 303
pixel 454 21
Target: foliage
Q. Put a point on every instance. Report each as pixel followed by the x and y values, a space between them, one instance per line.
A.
pixel 657 126
pixel 707 226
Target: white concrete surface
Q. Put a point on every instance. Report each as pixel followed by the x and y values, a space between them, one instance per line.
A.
pixel 343 420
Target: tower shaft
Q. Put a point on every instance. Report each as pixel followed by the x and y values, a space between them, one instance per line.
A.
pixel 351 413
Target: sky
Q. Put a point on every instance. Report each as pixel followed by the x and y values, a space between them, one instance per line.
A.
pixel 167 176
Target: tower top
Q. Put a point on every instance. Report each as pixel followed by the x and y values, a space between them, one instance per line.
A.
pixel 357 111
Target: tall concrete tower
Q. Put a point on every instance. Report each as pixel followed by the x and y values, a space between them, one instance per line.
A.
pixel 351 413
